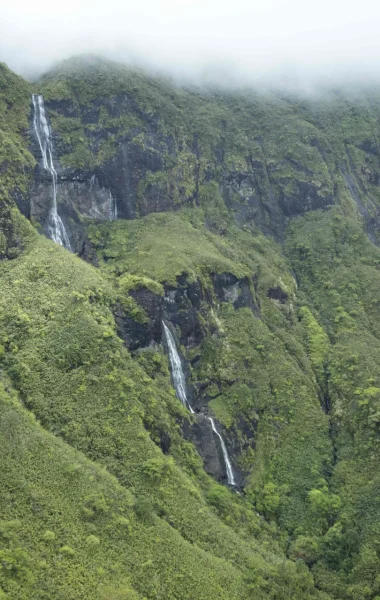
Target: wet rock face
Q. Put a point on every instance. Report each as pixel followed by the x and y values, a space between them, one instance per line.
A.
pixel 369 209
pixel 129 167
pixel 209 448
pixel 148 173
pixel 76 199
pixel 258 196
pixel 228 288
pixel 81 195
pixel 277 293
pixel 111 187
pixel 141 334
pixel 97 201
pixel 306 197
pixel 201 434
pixel 245 193
pixel 182 305
pixel 165 441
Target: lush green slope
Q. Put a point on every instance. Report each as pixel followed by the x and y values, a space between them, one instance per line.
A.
pixel 339 274
pixel 61 352
pixel 256 368
pixel 70 530
pixel 286 355
pixel 15 159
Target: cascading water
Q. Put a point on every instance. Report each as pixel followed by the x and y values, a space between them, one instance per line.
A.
pixel 56 228
pixel 180 388
pixel 177 372
pixel 230 473
pixel 114 211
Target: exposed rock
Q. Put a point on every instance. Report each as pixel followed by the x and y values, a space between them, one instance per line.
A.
pixel 147 174
pixel 277 293
pixel 366 206
pixel 165 441
pixel 141 334
pixel 76 200
pixel 182 304
pixel 228 288
pixel 201 434
pixel 257 195
pixel 180 307
pixel 246 194
pixel 146 164
pixel 305 197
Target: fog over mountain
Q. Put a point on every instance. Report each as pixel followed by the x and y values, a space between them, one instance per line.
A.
pixel 230 42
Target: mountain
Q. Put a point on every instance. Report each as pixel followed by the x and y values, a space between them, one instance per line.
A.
pixel 190 376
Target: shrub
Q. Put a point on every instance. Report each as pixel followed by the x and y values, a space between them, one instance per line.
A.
pixel 122 592
pixel 48 536
pixel 144 510
pixel 305 548
pixel 92 540
pixel 67 551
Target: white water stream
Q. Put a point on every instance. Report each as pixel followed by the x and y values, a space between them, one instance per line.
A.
pixel 177 372
pixel 230 473
pixel 56 228
pixel 180 388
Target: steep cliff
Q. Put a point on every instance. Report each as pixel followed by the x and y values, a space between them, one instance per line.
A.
pixel 154 147
pixel 248 223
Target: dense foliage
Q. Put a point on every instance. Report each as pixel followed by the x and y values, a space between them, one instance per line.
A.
pixel 92 507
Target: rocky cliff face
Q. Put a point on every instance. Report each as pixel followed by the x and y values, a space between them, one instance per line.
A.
pixel 129 146
pixel 148 172
pixel 187 307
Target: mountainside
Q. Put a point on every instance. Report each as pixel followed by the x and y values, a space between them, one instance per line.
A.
pixel 190 397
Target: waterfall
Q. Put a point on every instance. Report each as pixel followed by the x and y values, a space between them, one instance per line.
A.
pixel 177 372
pixel 56 228
pixel 180 388
pixel 230 473
pixel 114 211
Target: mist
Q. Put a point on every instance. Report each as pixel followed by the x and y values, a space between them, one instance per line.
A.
pixel 236 43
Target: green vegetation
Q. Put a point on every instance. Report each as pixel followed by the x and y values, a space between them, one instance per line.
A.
pixel 338 269
pixel 16 161
pixel 167 245
pixel 72 373
pixel 287 357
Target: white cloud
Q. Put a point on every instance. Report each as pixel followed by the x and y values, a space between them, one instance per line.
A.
pixel 251 40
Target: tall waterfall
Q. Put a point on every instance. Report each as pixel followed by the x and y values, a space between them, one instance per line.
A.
pixel 180 388
pixel 56 228
pixel 177 372
pixel 230 473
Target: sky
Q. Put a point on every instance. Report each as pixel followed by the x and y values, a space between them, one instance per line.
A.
pixel 237 41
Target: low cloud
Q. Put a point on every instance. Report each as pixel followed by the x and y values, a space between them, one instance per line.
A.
pixel 243 42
